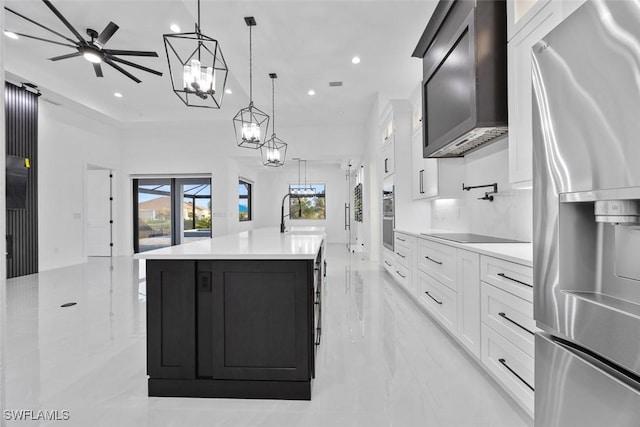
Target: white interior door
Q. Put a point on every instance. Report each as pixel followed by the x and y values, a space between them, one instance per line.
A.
pixel 98 213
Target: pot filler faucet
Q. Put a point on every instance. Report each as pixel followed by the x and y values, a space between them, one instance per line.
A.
pixel 282 215
pixel 488 195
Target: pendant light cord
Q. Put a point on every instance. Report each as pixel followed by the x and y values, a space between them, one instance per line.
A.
pixel 198 31
pixel 250 69
pixel 273 104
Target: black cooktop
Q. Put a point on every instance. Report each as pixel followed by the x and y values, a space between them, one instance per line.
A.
pixel 471 238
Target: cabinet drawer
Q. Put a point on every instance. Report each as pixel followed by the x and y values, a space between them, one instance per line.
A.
pixel 510 365
pixel 514 278
pixel 402 275
pixel 439 300
pixel 402 240
pixel 510 316
pixel 388 261
pixel 403 256
pixel 439 261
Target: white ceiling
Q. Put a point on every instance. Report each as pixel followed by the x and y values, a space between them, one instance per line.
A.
pixel 307 43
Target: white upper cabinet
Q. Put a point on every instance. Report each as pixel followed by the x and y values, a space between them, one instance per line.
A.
pixel 388 145
pixel 519 81
pixel 431 177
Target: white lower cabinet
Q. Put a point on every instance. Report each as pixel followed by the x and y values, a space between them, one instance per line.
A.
pixel 512 367
pixel 509 315
pixel 439 300
pixel 388 260
pixel 484 302
pixel 468 277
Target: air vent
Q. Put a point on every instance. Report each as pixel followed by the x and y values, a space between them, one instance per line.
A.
pixel 470 141
pixel 335 84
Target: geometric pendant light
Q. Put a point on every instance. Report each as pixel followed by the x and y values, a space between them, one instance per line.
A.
pixel 250 124
pixel 197 67
pixel 274 149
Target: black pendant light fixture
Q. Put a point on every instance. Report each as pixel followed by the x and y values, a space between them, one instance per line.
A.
pixel 197 67
pixel 274 149
pixel 250 124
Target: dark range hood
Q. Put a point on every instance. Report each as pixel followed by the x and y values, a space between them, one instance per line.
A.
pixel 464 87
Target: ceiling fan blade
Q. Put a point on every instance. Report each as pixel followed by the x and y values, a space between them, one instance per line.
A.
pixel 107 33
pixel 64 20
pixel 46 40
pixel 139 67
pixel 122 70
pixel 40 25
pixel 67 56
pixel 130 52
pixel 98 69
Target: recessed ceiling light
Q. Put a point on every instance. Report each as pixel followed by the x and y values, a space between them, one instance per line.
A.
pixel 355 60
pixel 11 35
pixel 117 95
pixel 311 92
pixel 228 91
pixel 175 28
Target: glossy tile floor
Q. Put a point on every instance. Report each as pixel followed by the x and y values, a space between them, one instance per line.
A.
pixel 382 362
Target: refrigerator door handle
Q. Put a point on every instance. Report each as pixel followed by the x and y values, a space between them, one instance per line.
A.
pixel 625 376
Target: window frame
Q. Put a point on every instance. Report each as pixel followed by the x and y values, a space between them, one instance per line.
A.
pixel 248 197
pixel 324 196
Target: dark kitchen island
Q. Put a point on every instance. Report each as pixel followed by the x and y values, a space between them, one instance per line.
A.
pixel 236 316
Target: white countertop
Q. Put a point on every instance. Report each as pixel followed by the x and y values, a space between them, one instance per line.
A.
pixel 263 243
pixel 520 253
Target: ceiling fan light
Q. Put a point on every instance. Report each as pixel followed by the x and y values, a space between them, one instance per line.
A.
pixel 92 57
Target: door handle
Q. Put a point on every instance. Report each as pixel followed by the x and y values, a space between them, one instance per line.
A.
pixel 514 280
pixel 431 296
pixel 504 316
pixel 422 181
pixel 504 363
pixel 386 169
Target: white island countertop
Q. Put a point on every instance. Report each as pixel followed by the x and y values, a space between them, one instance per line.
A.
pixel 263 243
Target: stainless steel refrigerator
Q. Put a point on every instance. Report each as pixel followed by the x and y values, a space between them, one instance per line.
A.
pixel 586 124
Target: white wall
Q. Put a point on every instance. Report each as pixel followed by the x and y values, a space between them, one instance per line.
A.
pixel 272 185
pixel 510 215
pixel 176 149
pixel 67 142
pixel 371 231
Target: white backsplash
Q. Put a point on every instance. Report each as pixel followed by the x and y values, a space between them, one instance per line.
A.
pixel 510 213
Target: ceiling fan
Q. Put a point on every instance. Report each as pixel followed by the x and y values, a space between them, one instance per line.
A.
pixel 92 50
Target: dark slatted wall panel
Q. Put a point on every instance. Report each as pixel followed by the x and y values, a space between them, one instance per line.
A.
pixel 21 112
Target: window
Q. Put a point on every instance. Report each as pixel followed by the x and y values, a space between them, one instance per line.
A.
pixel 170 211
pixel 309 206
pixel 244 200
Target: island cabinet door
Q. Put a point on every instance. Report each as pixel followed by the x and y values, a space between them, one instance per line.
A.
pixel 171 320
pixel 260 320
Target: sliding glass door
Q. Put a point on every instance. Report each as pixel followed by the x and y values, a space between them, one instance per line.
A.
pixel 170 211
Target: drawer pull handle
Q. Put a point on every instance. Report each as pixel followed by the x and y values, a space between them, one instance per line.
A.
pixel 402 240
pixel 433 260
pixel 504 316
pixel 514 280
pixel 401 275
pixel 504 363
pixel 400 255
pixel 387 263
pixel 429 295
